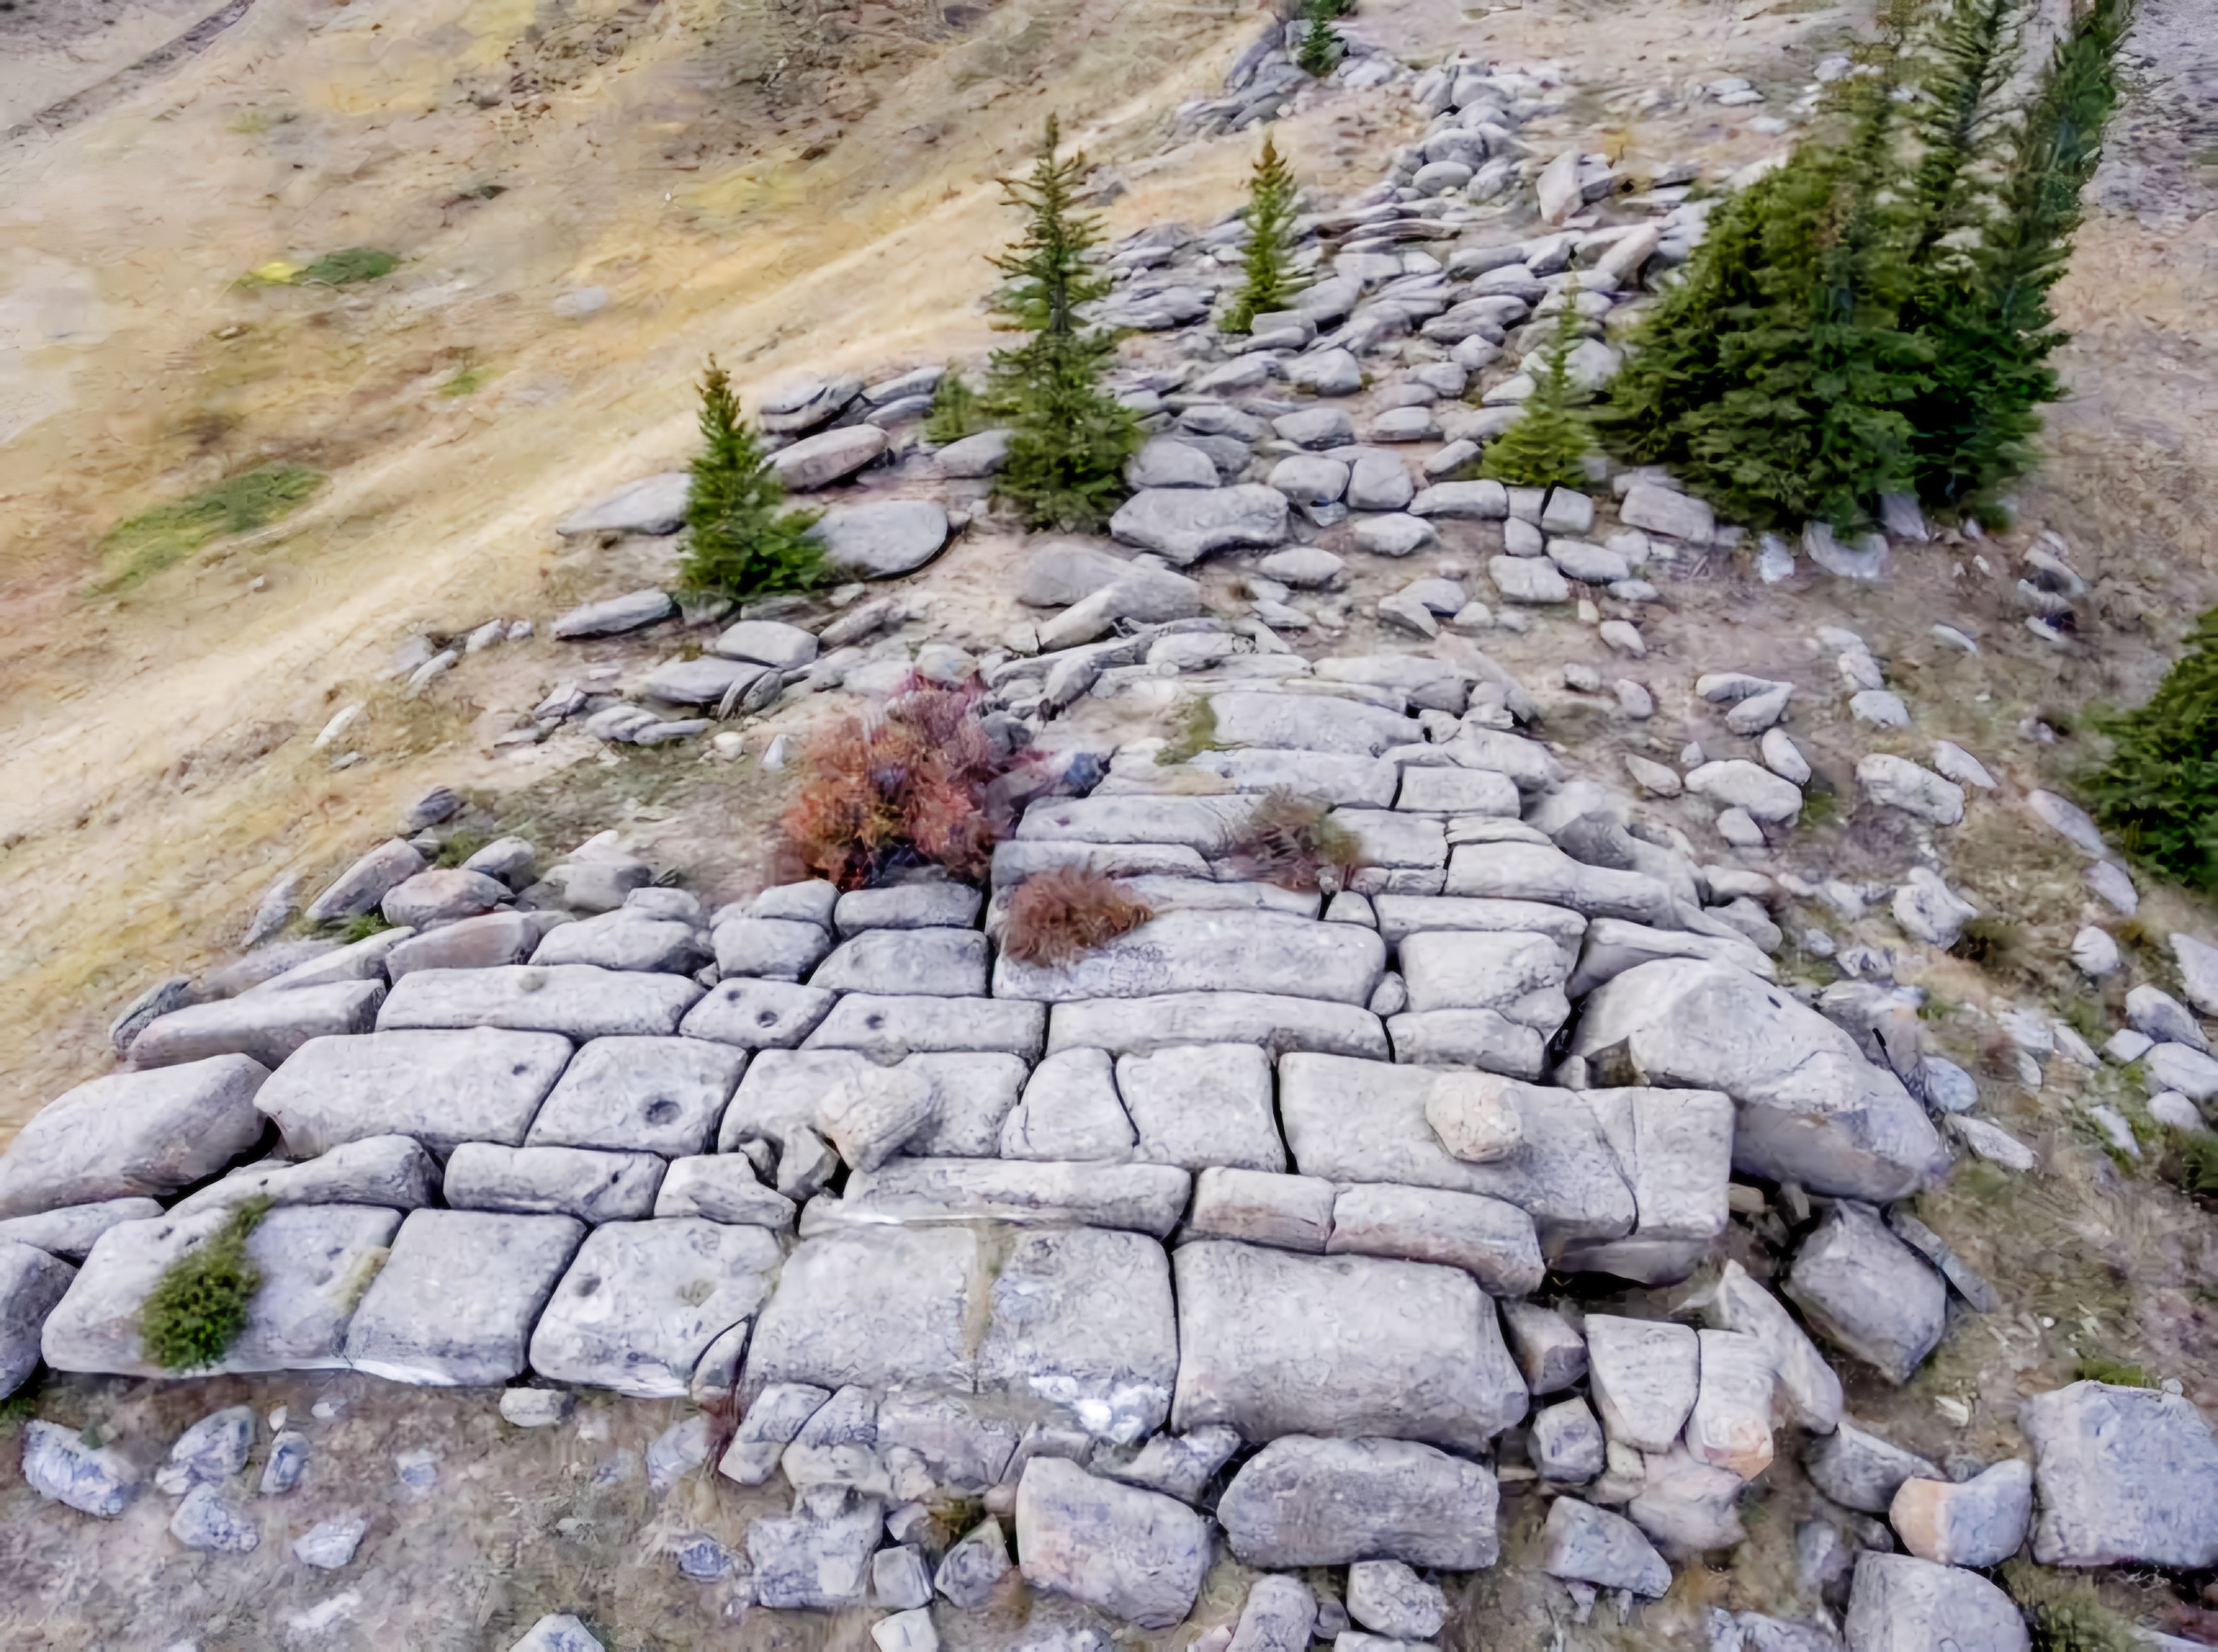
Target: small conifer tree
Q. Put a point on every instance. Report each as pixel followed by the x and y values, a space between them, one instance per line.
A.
pixel 1547 446
pixel 1321 48
pixel 957 411
pixel 742 542
pixel 1069 438
pixel 1270 282
pixel 2159 790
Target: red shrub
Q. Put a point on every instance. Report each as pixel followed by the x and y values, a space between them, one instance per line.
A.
pixel 1061 914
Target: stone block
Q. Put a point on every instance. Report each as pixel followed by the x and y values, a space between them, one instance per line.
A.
pixel 578 1182
pixel 441 1088
pixel 133 1135
pixel 1293 1213
pixel 1276 1023
pixel 1136 1555
pixel 1140 1198
pixel 577 1000
pixel 642 1301
pixel 456 1300
pixel 1306 1502
pixel 1644 1376
pixel 1492 1241
pixel 646 1095
pixel 758 1014
pixel 1225 951
pixel 266 1027
pixel 1195 1105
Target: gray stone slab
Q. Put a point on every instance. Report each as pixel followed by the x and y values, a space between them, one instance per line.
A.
pixel 1808 1387
pixel 57 1465
pixel 1614 946
pixel 442 1088
pixel 482 942
pixel 1360 782
pixel 1201 824
pixel 641 1095
pixel 1976 1522
pixel 974 1092
pixel 1293 1213
pixel 721 1187
pixel 1401 916
pixel 1353 1121
pixel 929 1024
pixel 394 1173
pixel 1306 1502
pixel 1484 1039
pixel 313 1261
pixel 1865 1291
pixel 1184 951
pixel 625 939
pixel 643 1300
pixel 1525 871
pixel 654 504
pixel 1082 1318
pixel 1136 1555
pixel 758 1014
pixel 922 1191
pixel 1274 1344
pixel 1276 1023
pixel 1899 1602
pixel 1311 723
pixel 2126 1476
pixel 1675 1147
pixel 267 1027
pixel 456 1301
pixel 1549 1351
pixel 70 1231
pixel 1644 1375
pixel 131 1135
pixel 883 1308
pixel 1810 1107
pixel 1517 973
pixel 1393 840
pixel 906 962
pixel 776 949
pixel 1195 1105
pixel 1860 1470
pixel 1070 1111
pixel 1489 1239
pixel 362 885
pixel 908 905
pixel 31 1283
pixel 578 1182
pixel 577 1000
pixel 1592 1546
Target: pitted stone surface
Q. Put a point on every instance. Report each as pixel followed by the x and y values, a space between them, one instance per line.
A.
pixel 130 1135
pixel 577 1000
pixel 456 1300
pixel 643 1300
pixel 442 1088
pixel 1217 952
pixel 650 1095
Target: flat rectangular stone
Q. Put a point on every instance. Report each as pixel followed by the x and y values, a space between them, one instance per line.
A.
pixel 392 1173
pixel 1516 973
pixel 1676 1149
pixel 974 1092
pixel 1200 824
pixel 1457 791
pixel 1360 782
pixel 1398 880
pixel 1489 1239
pixel 456 1301
pixel 773 949
pixel 929 1025
pixel 442 1088
pixel 1212 951
pixel 1016 859
pixel 1355 1121
pixel 1201 1104
pixel 1403 916
pixel 721 1187
pixel 131 1135
pixel 643 1300
pixel 883 1308
pixel 1162 893
pixel 640 1095
pixel 577 1000
pixel 758 1014
pixel 313 1261
pixel 1484 1039
pixel 1083 1317
pixel 920 1191
pixel 1391 838
pixel 1293 1212
pixel 70 1231
pixel 1614 945
pixel 1275 1344
pixel 1276 1023
pixel 1521 871
pixel 266 1026
pixel 1309 723
pixel 1302 1501
pixel 907 963
pixel 577 1182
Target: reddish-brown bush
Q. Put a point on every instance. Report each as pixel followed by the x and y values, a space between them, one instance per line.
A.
pixel 1289 839
pixel 1059 915
pixel 902 787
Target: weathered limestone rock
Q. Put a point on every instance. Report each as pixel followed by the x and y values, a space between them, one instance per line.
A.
pixel 1489 1238
pixel 1401 916
pixel 1675 1147
pixel 133 1134
pixel 818 1559
pixel 1730 1426
pixel 31 1283
pixel 758 1014
pixel 643 1300
pixel 833 455
pixel 903 962
pixel 576 1000
pixel 57 1465
pixel 721 1187
pixel 1901 1603
pixel 1807 1384
pixel 1977 1522
pixel 874 1111
pixel 1070 1111
pixel 498 938
pixel 1550 1353
pixel 1457 791
pixel 442 895
pixel 651 1095
pixel 1184 524
pixel 1136 1555
pixel 1591 1545
pixel 1810 1107
pixel 1644 1375
pixel 625 939
pixel 312 1259
pixel 1531 872
pixel 1567 1446
pixel 1144 1197
pixel 1276 1023
pixel 1275 1344
pixel 1211 950
pixel 1687 1506
pixel 653 505
pixel 1901 783
pixel 211 1450
pixel 978 1560
pixel 577 1182
pixel 1178 1465
pixel 1200 1104
pixel 1867 1291
pixel 778 949
pixel 1366 782
pixel 1279 1616
pixel 393 1172
pixel 930 1025
pixel 1518 975
pixel 1388 1597
pixel 1860 1470
pixel 1304 1501
pixel 70 1231
pixel 1738 783
pixel 2125 1475
pixel 456 1301
pixel 1311 723
pixel 1614 946
pixel 1083 1318
pixel 442 1088
pixel 617 614
pixel 266 1026
pixel 362 885
pixel 1293 1212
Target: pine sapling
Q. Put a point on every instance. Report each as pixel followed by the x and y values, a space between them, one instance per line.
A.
pixel 957 411
pixel 1547 446
pixel 2158 792
pixel 1321 48
pixel 743 543
pixel 1270 282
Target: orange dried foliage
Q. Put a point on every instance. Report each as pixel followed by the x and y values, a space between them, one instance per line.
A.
pixel 1060 915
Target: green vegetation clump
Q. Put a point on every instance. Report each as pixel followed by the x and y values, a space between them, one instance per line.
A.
pixel 957 411
pixel 1069 436
pixel 155 539
pixel 2196 1169
pixel 1197 732
pixel 198 1306
pixel 2065 1613
pixel 1270 282
pixel 2096 1370
pixel 1321 48
pixel 1547 446
pixel 2158 792
pixel 346 268
pixel 742 542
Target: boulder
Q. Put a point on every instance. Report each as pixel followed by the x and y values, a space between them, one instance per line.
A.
pixel 212 1451
pixel 643 1301
pixel 393 1172
pixel 1730 1426
pixel 1860 1470
pixel 1901 783
pixel 1738 783
pixel 1293 1213
pixel 1805 1382
pixel 362 885
pixel 1809 1107
pixel 1516 973
pixel 706 681
pixel 1685 1506
pixel 1290 723
pixel 779 949
pixel 577 1000
pixel 1865 1291
pixel 1064 573
pixel 59 1465
pixel 1567 1446
pixel 1492 1241
pixel 1389 1599
pixel 767 642
pixel 982 453
pixel 1275 1344
pixel 1899 1602
pixel 442 895
pixel 601 619
pixel 1977 1522
pixel 131 1134
pixel 1306 1501
pixel 654 506
pixel 721 1187
pixel 831 457
pixel 1644 1375
pixel 883 540
pixel 1184 524
pixel 1229 951
pixel 2126 1476
pixel 1165 461
pixel 456 1300
pixel 265 1026
pixel 71 1230
pixel 1549 1351
pixel 1526 579
pixel 31 1283
pixel 441 1088
pixel 1592 1546
pixel 1136 1555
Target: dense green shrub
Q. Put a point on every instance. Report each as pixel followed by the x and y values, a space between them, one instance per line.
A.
pixel 743 542
pixel 198 1306
pixel 1321 48
pixel 1547 446
pixel 2158 792
pixel 1270 282
pixel 957 411
pixel 1069 438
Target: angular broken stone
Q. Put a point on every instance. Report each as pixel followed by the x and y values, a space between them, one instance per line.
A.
pixel 269 1027
pixel 1859 1471
pixel 978 1560
pixel 771 1423
pixel 1215 950
pixel 213 1450
pixel 1308 1502
pixel 456 1300
pixel 31 1283
pixel 1977 1522
pixel 1293 1213
pixel 1807 1384
pixel 1591 1545
pixel 1549 1351
pixel 1474 1118
pixel 1567 1444
pixel 578 1182
pixel 2125 1476
pixel 1489 1239
pixel 1899 1602
pixel 721 1187
pixel 1644 1375
pixel 643 1300
pixel 362 885
pixel 1865 1290
pixel 1195 1105
pixel 1730 1426
pixel 1178 1465
pixel 1136 1555
pixel 1388 1597
pixel 1183 525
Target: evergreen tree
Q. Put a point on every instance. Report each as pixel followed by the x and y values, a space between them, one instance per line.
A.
pixel 1270 282
pixel 1974 52
pixel 1321 48
pixel 741 543
pixel 1070 437
pixel 1547 445
pixel 1986 314
pixel 2159 790
pixel 957 411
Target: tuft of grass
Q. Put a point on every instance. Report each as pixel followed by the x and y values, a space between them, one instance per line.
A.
pixel 363 924
pixel 1821 806
pixel 459 847
pixel 1063 914
pixel 344 268
pixel 2095 1369
pixel 1197 733
pixel 142 546
pixel 1994 944
pixel 2195 1168
pixel 2065 1613
pixel 198 1306
pixel 1291 840
pixel 466 378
